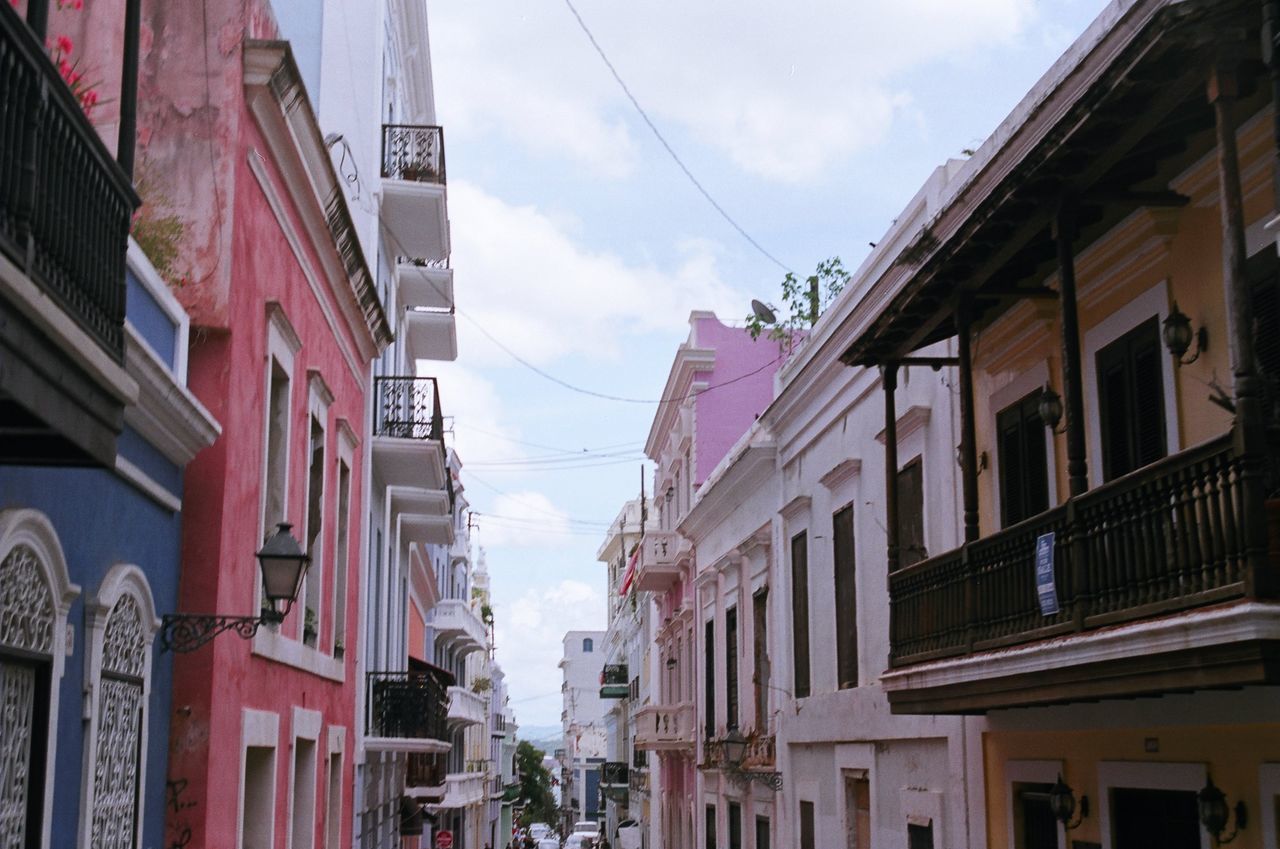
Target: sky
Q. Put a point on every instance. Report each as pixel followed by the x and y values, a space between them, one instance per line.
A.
pixel 580 246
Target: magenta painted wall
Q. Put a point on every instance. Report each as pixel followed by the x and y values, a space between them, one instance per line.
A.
pixel 722 415
pixel 197 145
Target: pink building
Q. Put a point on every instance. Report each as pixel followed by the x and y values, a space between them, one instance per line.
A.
pixel 720 381
pixel 285 323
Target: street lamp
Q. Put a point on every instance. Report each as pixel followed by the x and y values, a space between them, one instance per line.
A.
pixel 1062 801
pixel 1212 804
pixel 283 566
pixel 1178 336
pixel 733 751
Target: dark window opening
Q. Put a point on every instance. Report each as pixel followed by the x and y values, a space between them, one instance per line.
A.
pixel 846 599
pixel 806 826
pixel 731 667
pixel 709 663
pixel 800 611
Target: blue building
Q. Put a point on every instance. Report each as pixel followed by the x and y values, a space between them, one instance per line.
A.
pixel 89 562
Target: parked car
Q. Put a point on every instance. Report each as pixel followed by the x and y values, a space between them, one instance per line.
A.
pixel 539 830
pixel 586 827
pixel 548 842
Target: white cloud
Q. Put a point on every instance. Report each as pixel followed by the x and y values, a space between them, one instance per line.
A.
pixel 524 519
pixel 783 89
pixel 529 635
pixel 525 280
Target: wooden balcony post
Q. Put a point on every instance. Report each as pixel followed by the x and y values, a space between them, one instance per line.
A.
pixel 1271 55
pixel 889 376
pixel 968 438
pixel 1250 439
pixel 1064 232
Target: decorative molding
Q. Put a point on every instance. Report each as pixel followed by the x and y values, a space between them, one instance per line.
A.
pixel 908 423
pixel 282 110
pixel 307 723
pixel 280 321
pixel 347 438
pixel 839 473
pixel 147 485
pixel 316 384
pixel 259 169
pixel 166 414
pixel 795 507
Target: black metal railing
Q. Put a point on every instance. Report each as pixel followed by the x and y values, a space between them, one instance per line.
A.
pixel 409 705
pixel 614 773
pixel 408 408
pixel 1167 537
pixel 65 204
pixel 424 769
pixel 413 152
pixel 613 675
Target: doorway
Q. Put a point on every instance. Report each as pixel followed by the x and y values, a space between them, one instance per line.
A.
pixel 1154 819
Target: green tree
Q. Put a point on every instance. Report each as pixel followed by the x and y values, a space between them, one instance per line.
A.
pixel 804 300
pixel 539 804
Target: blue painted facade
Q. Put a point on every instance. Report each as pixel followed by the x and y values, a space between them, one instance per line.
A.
pixel 103 517
pixel 102 520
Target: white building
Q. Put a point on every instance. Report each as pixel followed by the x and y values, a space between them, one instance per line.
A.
pixel 628 642
pixel 586 742
pixel 367 69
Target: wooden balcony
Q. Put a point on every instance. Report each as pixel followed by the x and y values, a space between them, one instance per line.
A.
pixel 1147 569
pixel 65 206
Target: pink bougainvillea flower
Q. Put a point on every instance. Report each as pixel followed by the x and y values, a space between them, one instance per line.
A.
pixel 64 44
pixel 64 68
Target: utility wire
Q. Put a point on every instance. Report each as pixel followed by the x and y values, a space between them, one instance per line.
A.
pixel 466 426
pixel 402 251
pixel 644 115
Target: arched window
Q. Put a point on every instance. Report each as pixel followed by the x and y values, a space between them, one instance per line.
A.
pixel 588 646
pixel 121 624
pixel 35 594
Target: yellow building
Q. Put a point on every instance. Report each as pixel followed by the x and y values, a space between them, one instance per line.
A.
pixel 1114 611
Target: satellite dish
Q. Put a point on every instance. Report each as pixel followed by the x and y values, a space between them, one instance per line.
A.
pixel 763 312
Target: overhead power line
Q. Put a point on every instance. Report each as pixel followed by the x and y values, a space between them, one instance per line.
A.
pixel 401 251
pixel 661 140
pixel 504 437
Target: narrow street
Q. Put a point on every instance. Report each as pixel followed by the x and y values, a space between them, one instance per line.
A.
pixel 852 426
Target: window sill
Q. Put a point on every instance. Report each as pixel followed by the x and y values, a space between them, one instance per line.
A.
pixel 275 646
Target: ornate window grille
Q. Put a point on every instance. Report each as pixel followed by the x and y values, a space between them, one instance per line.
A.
pixel 116 769
pixel 27 619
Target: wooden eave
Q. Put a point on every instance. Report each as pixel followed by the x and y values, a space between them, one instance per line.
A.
pixel 1111 143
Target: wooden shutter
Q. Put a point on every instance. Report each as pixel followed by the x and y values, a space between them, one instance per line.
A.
pixel 1131 396
pixel 735 826
pixel 1024 465
pixel 760 667
pixel 711 827
pixel 800 611
pixel 911 548
pixel 846 598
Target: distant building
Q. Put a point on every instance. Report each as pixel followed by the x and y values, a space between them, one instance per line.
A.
pixel 585 740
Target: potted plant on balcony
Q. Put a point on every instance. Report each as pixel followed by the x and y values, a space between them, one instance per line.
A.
pixel 481 685
pixel 417 172
pixel 339 648
pixel 309 628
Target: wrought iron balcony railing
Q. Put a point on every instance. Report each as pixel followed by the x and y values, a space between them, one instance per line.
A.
pixel 613 681
pixel 411 705
pixel 425 769
pixel 413 152
pixel 408 408
pixel 614 774
pixel 65 204
pixel 1164 538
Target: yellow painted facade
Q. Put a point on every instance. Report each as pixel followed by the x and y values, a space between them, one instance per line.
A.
pixel 1233 754
pixel 1177 247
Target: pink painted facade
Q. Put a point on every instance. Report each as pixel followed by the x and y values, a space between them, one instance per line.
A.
pixel 262 738
pixel 726 380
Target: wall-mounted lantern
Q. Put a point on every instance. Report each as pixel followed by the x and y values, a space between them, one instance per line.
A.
pixel 283 565
pixel 1214 813
pixel 1050 408
pixel 1062 801
pixel 1178 336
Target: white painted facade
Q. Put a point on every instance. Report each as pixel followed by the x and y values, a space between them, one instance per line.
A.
pixel 586 742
